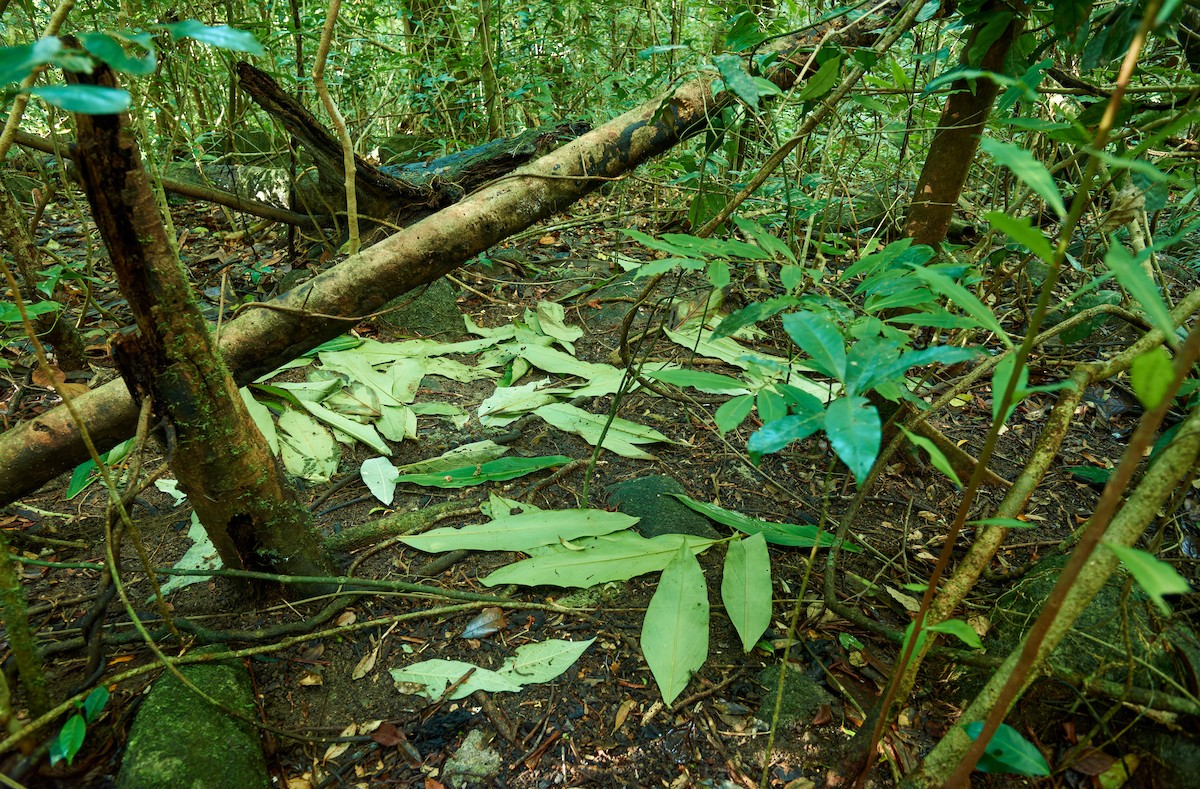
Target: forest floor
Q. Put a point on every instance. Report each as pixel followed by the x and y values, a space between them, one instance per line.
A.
pixel 602 722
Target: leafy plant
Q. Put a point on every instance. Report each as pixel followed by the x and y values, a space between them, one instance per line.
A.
pixel 71 736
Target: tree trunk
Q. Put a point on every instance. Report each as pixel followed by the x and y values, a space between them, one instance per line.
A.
pixel 221 459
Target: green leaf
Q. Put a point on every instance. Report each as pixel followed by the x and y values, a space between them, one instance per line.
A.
pixel 1141 288
pixel 1008 752
pixel 379 475
pixel 1152 374
pixel 870 362
pixel 93 705
pixel 752 314
pixel 18 62
pixel 522 532
pixel 737 80
pixel 936 457
pixel 542 661
pixel 792 534
pixel 613 557
pixel 492 471
pixel 776 435
pixel 107 48
pixel 430 678
pixel 621 437
pixel 1156 577
pixel 1000 377
pixel 964 300
pixel 818 336
pixel 987 34
pixel 1068 15
pixel 709 383
pixel 1093 475
pixel 675 630
pixel 1023 232
pixel 364 434
pixel 746 588
pixel 308 450
pixel 220 36
pixel 960 630
pixel 743 32
pixel 733 412
pixel 1004 523
pixel 1029 170
pixel 85 99
pixel 823 81
pixel 69 740
pixel 855 432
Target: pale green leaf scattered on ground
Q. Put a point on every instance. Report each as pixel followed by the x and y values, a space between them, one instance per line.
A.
pixel 307 448
pixel 552 321
pixel 497 507
pixel 522 532
pixel 171 488
pixel 729 350
pixel 542 661
pixel 746 588
pixel 675 629
pixel 791 534
pixel 261 415
pixel 709 383
pixel 355 366
pixel 558 362
pixel 621 437
pixel 200 555
pixel 473 454
pixel 1156 577
pixel 397 422
pixel 511 402
pixel 450 412
pixel 1004 523
pixel 430 678
pixel 379 475
pixel 614 557
pixel 365 434
pixel 492 471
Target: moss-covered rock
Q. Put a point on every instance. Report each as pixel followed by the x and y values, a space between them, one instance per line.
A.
pixel 649 498
pixel 180 740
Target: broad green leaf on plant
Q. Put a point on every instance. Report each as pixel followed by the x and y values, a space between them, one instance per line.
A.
pixel 70 738
pixel 492 471
pixel 1023 232
pixel 675 629
pixel 936 457
pixel 752 314
pixel 744 32
pixel 733 412
pixel 709 383
pixel 10 314
pixel 740 83
pixel 200 555
pixel 1151 375
pixel 1004 523
pixel 107 48
pixel 964 300
pixel 18 62
pixel 1068 15
pixel 791 534
pixel 379 475
pixel 621 437
pixel 986 33
pixel 84 99
pixel 764 238
pixel 473 454
pixel 1008 752
pixel 1145 293
pixel 855 432
pixel 960 630
pixel 773 405
pixel 1000 378
pixel 365 434
pixel 85 473
pixel 522 532
pixel 1156 577
pixel 819 337
pixel 261 416
pixel 1029 170
pixel 756 364
pixel 776 435
pixel 93 705
pixel 430 678
pixel 871 361
pixel 542 661
pixel 220 36
pixel 1093 475
pixel 823 81
pixel 613 557
pixel 746 588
